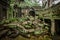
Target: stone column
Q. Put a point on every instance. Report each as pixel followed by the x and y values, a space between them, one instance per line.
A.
pixel 52 26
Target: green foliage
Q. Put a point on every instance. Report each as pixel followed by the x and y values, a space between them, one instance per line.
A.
pixel 12 1
pixel 30 3
pixel 6 21
pixel 22 19
pixel 12 26
pixel 38 32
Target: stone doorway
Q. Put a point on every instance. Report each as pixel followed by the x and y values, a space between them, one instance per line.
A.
pixel 57 27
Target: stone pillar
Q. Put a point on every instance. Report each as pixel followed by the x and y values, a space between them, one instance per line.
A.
pixel 52 26
pixel 8 12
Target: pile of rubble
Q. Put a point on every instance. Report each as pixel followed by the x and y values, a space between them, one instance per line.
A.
pixel 25 26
